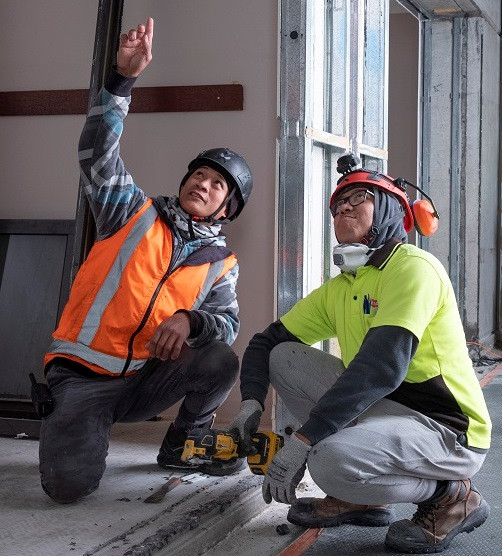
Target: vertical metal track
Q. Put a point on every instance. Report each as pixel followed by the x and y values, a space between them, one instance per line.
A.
pixel 456 158
pixel 291 201
pixel 498 292
pixel 328 126
pixel 291 155
pixel 356 72
pixel 425 140
pixel 108 25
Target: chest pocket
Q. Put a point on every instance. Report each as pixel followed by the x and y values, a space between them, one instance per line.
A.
pixel 363 309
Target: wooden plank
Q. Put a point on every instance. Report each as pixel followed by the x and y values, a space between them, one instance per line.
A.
pixel 197 98
pixel 303 542
pixel 43 103
pixel 183 98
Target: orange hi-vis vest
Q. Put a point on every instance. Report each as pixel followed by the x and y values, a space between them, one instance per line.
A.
pixel 124 290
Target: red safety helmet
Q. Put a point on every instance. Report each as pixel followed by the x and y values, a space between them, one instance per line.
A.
pixel 421 213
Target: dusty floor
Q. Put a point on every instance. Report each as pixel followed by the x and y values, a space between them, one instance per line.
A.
pixel 202 510
pixel 115 520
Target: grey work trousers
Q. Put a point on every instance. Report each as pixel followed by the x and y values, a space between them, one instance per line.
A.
pixel 74 437
pixel 389 454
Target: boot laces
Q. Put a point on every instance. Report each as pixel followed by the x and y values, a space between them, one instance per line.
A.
pixel 425 516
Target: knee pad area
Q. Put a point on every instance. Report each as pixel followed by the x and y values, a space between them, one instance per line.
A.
pixel 68 489
pixel 218 360
pixel 285 359
pixel 333 470
pixel 68 479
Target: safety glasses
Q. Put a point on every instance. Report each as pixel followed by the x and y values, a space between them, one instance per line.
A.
pixel 354 199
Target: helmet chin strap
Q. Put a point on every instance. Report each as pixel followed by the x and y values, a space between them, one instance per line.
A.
pixel 376 230
pixel 211 218
pixel 348 257
pixel 208 219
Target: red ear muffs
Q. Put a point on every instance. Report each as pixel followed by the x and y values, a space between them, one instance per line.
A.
pixel 426 218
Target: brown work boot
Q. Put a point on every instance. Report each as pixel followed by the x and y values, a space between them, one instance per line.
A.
pixel 331 512
pixel 457 508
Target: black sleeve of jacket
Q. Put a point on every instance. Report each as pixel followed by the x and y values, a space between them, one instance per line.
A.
pixel 118 84
pixel 379 367
pixel 196 322
pixel 254 370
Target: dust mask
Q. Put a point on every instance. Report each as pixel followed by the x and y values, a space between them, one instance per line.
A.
pixel 348 257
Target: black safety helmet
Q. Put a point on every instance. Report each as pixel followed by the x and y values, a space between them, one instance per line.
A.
pixel 234 169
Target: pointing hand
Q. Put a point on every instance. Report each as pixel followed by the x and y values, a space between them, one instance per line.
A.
pixel 135 50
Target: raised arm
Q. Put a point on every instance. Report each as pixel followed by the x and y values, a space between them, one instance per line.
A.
pixel 112 194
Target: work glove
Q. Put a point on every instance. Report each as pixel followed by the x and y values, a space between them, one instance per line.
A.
pixel 286 471
pixel 246 424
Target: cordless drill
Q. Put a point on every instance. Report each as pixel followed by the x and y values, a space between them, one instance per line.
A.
pixel 203 445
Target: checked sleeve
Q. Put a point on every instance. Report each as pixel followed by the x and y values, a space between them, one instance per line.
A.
pixel 110 190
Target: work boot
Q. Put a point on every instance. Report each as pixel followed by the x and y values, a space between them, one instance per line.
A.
pixel 169 456
pixel 456 508
pixel 331 512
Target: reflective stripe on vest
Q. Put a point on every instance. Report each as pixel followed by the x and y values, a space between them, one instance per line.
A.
pixel 213 274
pixel 116 299
pixel 113 365
pixel 109 287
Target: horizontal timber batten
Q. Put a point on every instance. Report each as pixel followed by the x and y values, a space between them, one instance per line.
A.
pixel 183 98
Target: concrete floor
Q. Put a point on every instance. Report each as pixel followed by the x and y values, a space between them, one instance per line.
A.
pixel 203 515
pixel 114 520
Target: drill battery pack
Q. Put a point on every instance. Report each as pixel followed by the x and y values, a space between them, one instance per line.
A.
pixel 267 444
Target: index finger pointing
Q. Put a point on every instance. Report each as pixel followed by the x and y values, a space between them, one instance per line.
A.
pixel 149 28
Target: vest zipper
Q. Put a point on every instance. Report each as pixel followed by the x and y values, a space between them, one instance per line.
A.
pixel 148 311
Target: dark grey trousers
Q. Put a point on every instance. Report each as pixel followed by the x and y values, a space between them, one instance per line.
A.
pixel 74 438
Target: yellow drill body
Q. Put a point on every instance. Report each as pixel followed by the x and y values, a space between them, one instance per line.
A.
pixel 203 445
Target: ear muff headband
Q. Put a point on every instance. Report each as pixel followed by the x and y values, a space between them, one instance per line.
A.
pixel 425 214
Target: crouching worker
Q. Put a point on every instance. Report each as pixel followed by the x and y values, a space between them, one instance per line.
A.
pixel 152 310
pixel 401 417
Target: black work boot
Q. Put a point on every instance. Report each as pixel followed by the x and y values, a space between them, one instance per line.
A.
pixel 456 508
pixel 331 512
pixel 169 456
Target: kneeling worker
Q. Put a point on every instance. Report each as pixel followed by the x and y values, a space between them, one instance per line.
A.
pixel 153 309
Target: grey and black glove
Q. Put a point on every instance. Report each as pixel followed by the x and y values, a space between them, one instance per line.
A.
pixel 286 471
pixel 246 424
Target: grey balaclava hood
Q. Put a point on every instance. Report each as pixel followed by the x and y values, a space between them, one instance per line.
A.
pixel 388 219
